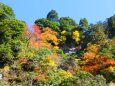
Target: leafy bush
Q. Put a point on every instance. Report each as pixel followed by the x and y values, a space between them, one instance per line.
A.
pixel 60 53
pixel 4 83
pixel 43 52
pixel 6 53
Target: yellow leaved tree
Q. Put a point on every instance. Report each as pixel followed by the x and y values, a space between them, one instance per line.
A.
pixel 76 35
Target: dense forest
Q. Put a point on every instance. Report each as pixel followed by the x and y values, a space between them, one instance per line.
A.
pixel 56 52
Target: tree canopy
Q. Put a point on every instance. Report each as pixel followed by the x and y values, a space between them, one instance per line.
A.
pixel 56 52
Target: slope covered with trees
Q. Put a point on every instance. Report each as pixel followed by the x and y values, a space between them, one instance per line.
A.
pixel 57 52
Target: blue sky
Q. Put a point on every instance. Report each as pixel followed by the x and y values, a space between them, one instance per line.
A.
pixel 93 10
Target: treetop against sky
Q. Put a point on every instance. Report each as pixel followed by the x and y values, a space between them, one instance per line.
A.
pixel 93 10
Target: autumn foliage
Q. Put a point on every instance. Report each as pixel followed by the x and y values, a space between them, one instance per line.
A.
pixel 55 51
pixel 45 38
pixel 94 62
